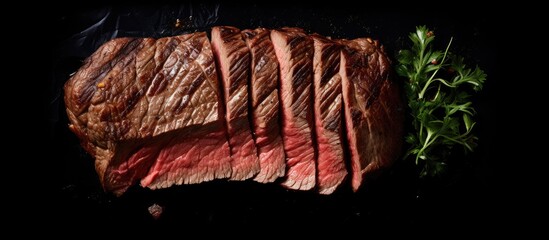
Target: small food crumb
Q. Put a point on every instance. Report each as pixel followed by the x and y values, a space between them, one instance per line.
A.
pixel 101 85
pixel 434 62
pixel 177 23
pixel 156 211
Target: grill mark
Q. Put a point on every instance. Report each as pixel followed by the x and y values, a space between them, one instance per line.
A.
pixel 330 57
pixel 327 98
pixel 259 51
pixel 194 49
pixel 132 59
pixel 85 97
pixel 303 69
pixel 239 73
pixel 146 76
pixel 301 73
pixel 265 77
pixel 303 101
pixel 210 67
pixel 210 79
pixel 160 78
pixel 123 53
pixel 144 70
pixel 234 49
pixel 328 51
pixel 270 113
pixel 165 79
pixel 130 102
pixel 229 35
pixel 129 99
pixel 167 49
pixel 332 122
pixel 241 60
pixel 238 82
pixel 195 84
pixel 238 56
pixel 303 53
pixel 297 92
pixel 296 41
pixel 263 95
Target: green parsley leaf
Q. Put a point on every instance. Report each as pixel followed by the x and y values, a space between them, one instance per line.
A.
pixel 438 89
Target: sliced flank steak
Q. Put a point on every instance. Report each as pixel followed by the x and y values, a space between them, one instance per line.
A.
pixel 262 104
pixel 265 105
pixel 294 51
pixel 373 108
pixel 328 104
pixel 233 63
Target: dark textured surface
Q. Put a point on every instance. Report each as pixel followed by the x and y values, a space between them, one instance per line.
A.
pixel 462 200
pixel 374 110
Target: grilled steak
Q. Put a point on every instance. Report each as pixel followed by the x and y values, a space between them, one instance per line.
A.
pixel 264 101
pixel 373 106
pixel 328 109
pixel 150 109
pixel 294 51
pixel 233 62
pixel 257 103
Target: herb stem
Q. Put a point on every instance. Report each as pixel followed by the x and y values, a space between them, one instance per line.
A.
pixel 422 93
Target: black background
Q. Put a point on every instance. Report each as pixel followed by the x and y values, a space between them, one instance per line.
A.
pixel 463 199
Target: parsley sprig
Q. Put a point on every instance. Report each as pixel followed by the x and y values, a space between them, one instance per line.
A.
pixel 438 93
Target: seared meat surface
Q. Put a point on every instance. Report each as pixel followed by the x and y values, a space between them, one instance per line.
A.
pixel 262 104
pixel 233 62
pixel 373 109
pixel 328 104
pixel 265 105
pixel 150 110
pixel 294 50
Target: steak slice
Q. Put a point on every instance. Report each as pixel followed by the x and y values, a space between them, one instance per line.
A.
pixel 233 62
pixel 294 51
pixel 150 109
pixel 264 98
pixel 328 109
pixel 373 108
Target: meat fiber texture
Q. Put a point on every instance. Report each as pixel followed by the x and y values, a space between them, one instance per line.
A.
pixel 262 104
pixel 294 50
